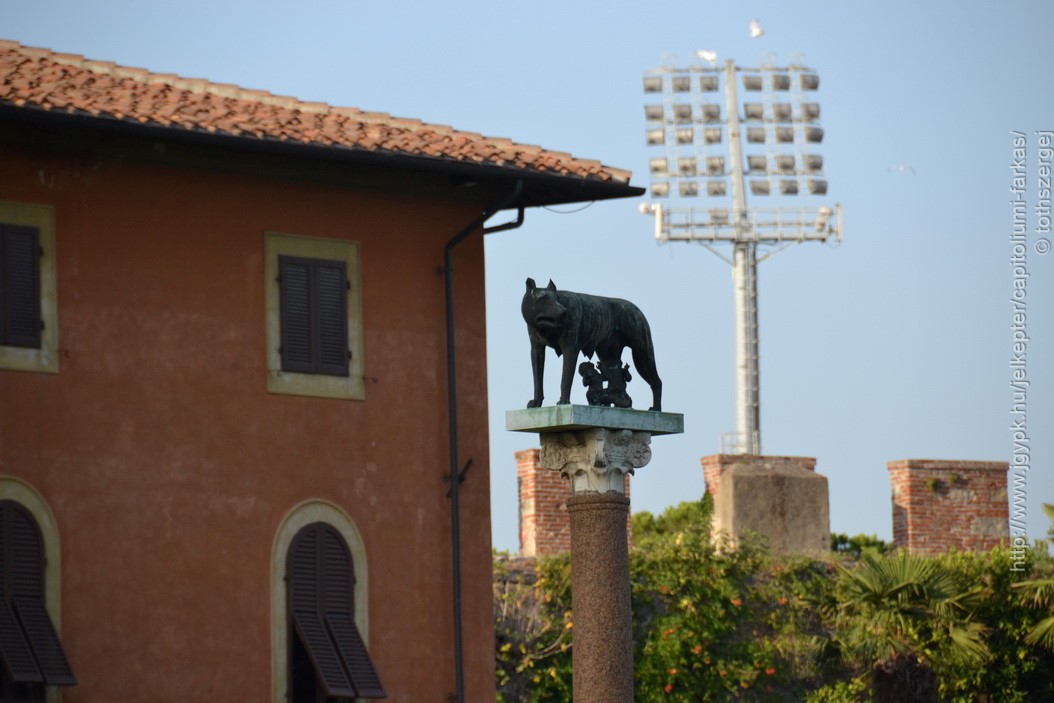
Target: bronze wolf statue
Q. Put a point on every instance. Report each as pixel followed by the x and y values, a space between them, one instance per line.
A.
pixel 575 322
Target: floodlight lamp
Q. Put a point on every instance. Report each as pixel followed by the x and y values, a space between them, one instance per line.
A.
pixel 814 135
pixel 812 163
pixel 646 208
pixel 716 188
pixel 686 166
pixel 752 83
pixel 753 111
pixel 685 135
pixel 658 166
pixel 759 187
pixel 719 216
pixel 788 186
pixel 785 163
pixel 756 135
pixel 652 84
pixel 653 113
pixel 781 81
pixel 682 113
pixel 655 137
pixel 715 165
pixel 810 81
pixel 810 112
pixel 756 164
pixel 712 135
pixel 817 186
pixel 660 189
pixel 682 84
pixel 688 189
pixel 708 84
pixel 784 135
pixel 711 113
pixel 781 112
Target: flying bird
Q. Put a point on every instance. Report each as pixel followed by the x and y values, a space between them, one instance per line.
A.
pixel 707 55
pixel 755 29
pixel 902 168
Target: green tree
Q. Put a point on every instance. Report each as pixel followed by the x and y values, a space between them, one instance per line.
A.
pixel 855 546
pixel 903 619
pixel 1038 594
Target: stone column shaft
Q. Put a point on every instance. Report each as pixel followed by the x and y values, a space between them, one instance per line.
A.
pixel 602 655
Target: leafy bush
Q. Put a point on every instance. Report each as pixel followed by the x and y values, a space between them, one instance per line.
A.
pixel 715 624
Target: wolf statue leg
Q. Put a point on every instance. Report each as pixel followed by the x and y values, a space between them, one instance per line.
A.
pixel 570 362
pixel 644 360
pixel 538 366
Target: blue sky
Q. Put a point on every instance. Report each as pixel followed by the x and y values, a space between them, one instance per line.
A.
pixel 895 345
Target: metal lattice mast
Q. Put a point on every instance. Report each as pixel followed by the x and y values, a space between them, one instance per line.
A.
pixel 744 285
pixel 771 124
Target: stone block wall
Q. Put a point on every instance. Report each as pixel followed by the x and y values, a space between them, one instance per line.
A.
pixel 715 465
pixel 545 526
pixel 781 498
pixel 941 504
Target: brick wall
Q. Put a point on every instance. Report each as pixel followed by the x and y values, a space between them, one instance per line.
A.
pixel 545 526
pixel 938 505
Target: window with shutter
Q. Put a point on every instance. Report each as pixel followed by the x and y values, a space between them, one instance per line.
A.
pixel 314 319
pixel 314 315
pixel 323 634
pixel 29 645
pixel 28 316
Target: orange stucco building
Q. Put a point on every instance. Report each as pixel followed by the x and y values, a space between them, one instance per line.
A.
pixel 158 436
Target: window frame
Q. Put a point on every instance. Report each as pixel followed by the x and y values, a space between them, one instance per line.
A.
pixel 18 491
pixel 300 516
pixel 45 358
pixel 323 385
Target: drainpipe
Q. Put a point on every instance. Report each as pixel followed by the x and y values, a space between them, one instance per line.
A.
pixel 456 476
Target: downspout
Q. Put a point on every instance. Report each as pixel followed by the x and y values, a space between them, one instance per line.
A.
pixel 456 476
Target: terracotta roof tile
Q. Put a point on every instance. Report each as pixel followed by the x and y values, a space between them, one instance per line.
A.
pixel 35 78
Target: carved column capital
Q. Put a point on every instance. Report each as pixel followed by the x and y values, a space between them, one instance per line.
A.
pixel 595 459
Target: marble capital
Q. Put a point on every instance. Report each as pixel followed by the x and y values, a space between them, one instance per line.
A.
pixel 595 460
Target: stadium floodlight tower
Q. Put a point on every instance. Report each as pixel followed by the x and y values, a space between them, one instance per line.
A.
pixel 772 138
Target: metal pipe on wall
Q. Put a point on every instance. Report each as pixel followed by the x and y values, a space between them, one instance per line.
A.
pixel 455 474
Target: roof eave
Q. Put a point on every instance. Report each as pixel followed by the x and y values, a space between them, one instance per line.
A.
pixel 540 188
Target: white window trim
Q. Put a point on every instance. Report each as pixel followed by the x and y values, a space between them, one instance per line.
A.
pixel 306 513
pixel 319 385
pixel 46 358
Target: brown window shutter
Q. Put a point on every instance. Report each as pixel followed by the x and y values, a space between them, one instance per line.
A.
pixel 353 651
pixel 18 658
pixel 324 656
pixel 313 302
pixel 20 286
pixel 321 584
pixel 295 312
pixel 44 641
pixel 332 316
pixel 22 613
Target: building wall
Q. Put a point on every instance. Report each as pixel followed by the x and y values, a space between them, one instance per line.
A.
pixel 939 505
pixel 169 467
